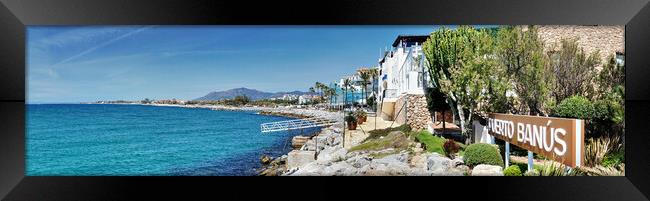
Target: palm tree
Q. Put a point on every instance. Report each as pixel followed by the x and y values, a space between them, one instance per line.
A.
pixel 327 94
pixel 335 95
pixel 365 76
pixel 374 73
pixel 332 93
pixel 319 86
pixel 346 84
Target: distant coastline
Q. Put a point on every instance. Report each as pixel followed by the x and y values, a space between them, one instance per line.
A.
pixel 291 111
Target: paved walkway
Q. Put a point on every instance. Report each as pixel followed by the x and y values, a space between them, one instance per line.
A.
pixel 354 137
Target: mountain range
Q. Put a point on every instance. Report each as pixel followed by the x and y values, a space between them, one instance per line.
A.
pixel 253 94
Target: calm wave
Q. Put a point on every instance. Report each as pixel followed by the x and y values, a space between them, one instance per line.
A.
pixel 88 139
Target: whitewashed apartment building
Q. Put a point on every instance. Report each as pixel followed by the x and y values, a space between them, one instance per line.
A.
pixel 403 79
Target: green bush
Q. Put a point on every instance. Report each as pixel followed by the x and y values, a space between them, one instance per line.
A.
pixel 608 118
pixel 513 170
pixel 614 159
pixel 575 107
pixel 608 111
pixel 480 153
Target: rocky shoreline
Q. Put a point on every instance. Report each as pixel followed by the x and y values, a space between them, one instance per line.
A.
pixel 324 155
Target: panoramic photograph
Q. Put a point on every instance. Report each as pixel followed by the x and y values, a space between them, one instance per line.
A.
pixel 464 100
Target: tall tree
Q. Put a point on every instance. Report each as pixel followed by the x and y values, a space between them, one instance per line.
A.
pixel 365 78
pixel 461 64
pixel 573 70
pixel 521 55
pixel 347 84
pixel 374 74
pixel 611 80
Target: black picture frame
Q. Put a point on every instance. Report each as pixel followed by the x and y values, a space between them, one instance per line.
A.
pixel 15 15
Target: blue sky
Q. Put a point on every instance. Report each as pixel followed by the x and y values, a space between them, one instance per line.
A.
pixel 90 63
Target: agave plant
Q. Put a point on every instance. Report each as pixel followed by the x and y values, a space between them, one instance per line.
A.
pixel 596 149
pixel 558 169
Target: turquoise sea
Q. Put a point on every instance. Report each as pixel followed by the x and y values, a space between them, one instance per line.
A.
pixel 104 139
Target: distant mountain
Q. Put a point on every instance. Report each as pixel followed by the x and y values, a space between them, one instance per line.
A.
pixel 251 93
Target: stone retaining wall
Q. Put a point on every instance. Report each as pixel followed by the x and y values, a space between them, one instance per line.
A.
pixel 416 111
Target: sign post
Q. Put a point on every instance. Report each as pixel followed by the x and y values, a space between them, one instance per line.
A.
pixel 507 154
pixel 530 160
pixel 559 139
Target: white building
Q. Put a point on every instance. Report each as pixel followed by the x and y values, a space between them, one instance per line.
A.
pixel 289 97
pixel 401 72
pixel 357 93
pixel 305 99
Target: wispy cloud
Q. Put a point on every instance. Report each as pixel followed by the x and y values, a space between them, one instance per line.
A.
pixel 82 35
pixel 101 45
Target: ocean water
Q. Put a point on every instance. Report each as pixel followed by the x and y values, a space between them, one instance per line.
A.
pixel 102 139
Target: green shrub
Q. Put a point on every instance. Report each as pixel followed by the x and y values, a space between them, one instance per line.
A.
pixel 575 107
pixel 524 166
pixel 608 111
pixel 614 159
pixel 513 170
pixel 480 153
pixel 608 118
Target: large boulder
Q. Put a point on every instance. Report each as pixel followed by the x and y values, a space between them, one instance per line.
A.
pixel 322 140
pixel 438 163
pixel 311 146
pixel 419 161
pixel 331 154
pixel 339 169
pixel 417 172
pixel 359 161
pixel 309 169
pixel 395 164
pixel 458 161
pixel 376 169
pixel 297 158
pixel 448 172
pixel 487 170
pixel 400 157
